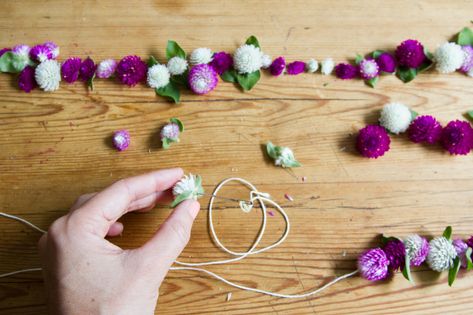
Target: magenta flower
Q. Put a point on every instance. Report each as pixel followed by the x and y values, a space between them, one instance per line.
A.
pixel 386 62
pixel 346 71
pixel 470 242
pixel 53 49
pixel 296 67
pixel 70 69
pixel 4 50
pixel 460 248
pixel 106 68
pixel 202 79
pixel 373 141
pixel 277 66
pixel 131 70
pixel 369 69
pixel 417 247
pixel 373 264
pixel 26 80
pixel 87 69
pixel 41 53
pixel 468 61
pixel 396 254
pixel 221 62
pixel 425 129
pixel 410 53
pixel 121 140
pixel 21 50
pixel 457 137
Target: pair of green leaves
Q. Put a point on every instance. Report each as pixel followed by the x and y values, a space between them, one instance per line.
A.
pixel 13 63
pixel 190 194
pixel 406 74
pixel 166 142
pixel 248 80
pixel 453 271
pixel 279 153
pixel 406 271
pixel 171 91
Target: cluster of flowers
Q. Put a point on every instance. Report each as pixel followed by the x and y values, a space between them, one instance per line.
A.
pixel 373 141
pixel 441 254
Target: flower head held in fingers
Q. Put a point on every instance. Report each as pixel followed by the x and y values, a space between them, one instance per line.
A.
pixel 171 131
pixel 282 156
pixel 121 140
pixel 189 187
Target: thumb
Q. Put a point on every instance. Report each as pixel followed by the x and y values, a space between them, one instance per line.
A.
pixel 173 235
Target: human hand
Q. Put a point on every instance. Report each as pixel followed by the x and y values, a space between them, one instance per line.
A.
pixel 86 274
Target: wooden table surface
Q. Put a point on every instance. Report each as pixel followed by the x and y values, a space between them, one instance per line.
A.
pixel 54 147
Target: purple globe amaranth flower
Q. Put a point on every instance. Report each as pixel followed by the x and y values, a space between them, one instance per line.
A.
pixel 346 71
pixel 106 68
pixel 369 69
pixel 4 50
pixel 425 129
pixel 386 62
pixel 121 140
pixel 21 50
pixel 373 141
pixel 202 79
pixel 26 79
pixel 221 62
pixel 53 48
pixel 460 248
pixel 87 69
pixel 277 66
pixel 396 254
pixel 468 61
pixel 131 70
pixel 296 67
pixel 417 248
pixel 469 242
pixel 70 69
pixel 41 53
pixel 410 53
pixel 373 264
pixel 170 131
pixel 457 137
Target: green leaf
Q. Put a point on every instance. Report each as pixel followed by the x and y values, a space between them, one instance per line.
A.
pixel 469 115
pixel 248 80
pixel 386 239
pixel 452 273
pixel 252 41
pixel 428 54
pixel 377 53
pixel 12 63
pixel 292 163
pixel 406 271
pixel 465 37
pixel 184 196
pixel 173 50
pixel 469 262
pixel 152 61
pixel 229 76
pixel 170 91
pixel 90 83
pixel 428 63
pixel 180 79
pixel 447 233
pixel 271 150
pixel 406 74
pixel 414 114
pixel 359 58
pixel 372 82
pixel 178 122
pixel 166 143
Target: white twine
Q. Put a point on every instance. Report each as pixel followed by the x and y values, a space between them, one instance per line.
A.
pixel 255 196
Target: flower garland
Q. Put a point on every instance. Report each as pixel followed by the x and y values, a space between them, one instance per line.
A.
pixel 199 72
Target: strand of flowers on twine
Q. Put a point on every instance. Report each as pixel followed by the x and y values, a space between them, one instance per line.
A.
pixel 246 206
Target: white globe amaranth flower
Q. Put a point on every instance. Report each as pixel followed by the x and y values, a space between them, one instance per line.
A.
pixel 200 56
pixel 441 254
pixel 312 66
pixel 285 156
pixel 177 65
pixel 189 187
pixel 266 61
pixel 48 75
pixel 327 66
pixel 158 76
pixel 449 57
pixel 247 59
pixel 395 117
pixel 282 156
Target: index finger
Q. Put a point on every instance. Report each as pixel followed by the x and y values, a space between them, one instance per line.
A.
pixel 110 204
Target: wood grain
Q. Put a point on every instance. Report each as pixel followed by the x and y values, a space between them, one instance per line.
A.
pixel 55 147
